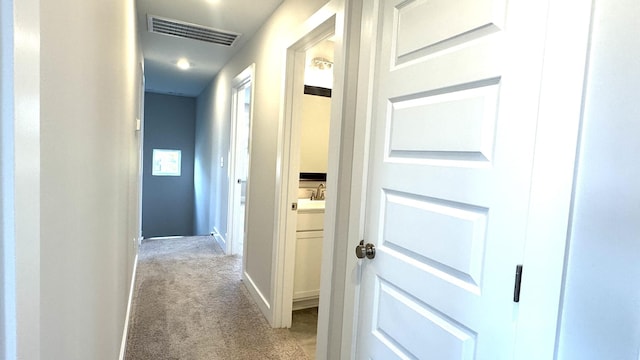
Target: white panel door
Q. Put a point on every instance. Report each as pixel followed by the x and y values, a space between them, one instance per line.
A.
pixel 454 114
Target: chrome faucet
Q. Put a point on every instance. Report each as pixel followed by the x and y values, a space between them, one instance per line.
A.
pixel 318 194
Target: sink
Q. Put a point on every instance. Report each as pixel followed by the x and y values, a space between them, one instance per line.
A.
pixel 310 215
pixel 307 204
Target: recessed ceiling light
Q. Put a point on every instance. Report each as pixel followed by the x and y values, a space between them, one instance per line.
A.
pixel 183 64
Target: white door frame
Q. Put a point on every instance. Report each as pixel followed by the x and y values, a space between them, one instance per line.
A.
pixel 554 167
pixel 284 252
pixel 347 140
pixel 140 132
pixel 21 175
pixel 245 77
pixel 552 182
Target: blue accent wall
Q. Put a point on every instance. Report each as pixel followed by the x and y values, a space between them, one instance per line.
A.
pixel 168 201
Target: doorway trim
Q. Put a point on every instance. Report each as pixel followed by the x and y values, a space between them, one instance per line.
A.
pixel 319 27
pixel 247 76
pixel 347 138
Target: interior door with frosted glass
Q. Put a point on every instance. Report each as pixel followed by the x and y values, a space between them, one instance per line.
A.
pixel 453 122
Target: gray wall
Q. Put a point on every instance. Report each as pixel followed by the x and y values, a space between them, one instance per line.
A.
pixel 168 201
pixel 601 307
pixel 203 171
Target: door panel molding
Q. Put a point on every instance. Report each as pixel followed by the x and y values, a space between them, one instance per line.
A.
pixel 554 149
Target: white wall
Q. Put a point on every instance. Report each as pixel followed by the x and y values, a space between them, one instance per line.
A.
pixel 601 308
pixel 90 79
pixel 204 165
pixel 314 76
pixel 314 137
pixel 267 50
pixel 4 73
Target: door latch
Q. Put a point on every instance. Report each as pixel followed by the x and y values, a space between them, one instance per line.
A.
pixel 368 250
pixel 518 284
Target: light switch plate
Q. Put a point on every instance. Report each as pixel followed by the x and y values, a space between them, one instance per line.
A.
pixel 221 161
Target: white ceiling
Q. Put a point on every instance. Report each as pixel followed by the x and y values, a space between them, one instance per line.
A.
pixel 161 52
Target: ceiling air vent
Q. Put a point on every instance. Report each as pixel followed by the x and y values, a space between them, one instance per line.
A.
pixel 191 31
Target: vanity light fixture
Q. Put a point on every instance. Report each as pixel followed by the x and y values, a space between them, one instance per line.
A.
pixel 321 63
pixel 183 64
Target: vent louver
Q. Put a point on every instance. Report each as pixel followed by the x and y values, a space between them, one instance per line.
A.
pixel 191 31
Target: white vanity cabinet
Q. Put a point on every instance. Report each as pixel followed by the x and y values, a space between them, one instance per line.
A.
pixel 309 234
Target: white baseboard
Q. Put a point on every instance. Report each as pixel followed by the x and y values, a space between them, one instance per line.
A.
pixel 305 303
pixel 220 239
pixel 165 237
pixel 302 295
pixel 256 295
pixel 125 332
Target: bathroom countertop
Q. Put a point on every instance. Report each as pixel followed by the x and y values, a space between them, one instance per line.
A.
pixel 308 205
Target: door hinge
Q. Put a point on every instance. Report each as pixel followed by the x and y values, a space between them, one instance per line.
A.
pixel 516 288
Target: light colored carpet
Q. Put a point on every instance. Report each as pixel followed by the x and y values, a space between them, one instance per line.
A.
pixel 190 303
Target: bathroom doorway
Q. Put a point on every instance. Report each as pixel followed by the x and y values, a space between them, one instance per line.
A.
pixel 312 191
pixel 302 240
pixel 313 149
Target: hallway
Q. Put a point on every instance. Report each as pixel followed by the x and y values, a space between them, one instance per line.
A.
pixel 189 303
